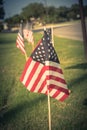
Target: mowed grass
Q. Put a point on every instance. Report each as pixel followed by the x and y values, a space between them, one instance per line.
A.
pixel 23 110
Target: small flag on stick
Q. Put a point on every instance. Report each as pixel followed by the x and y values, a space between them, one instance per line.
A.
pixel 42 71
pixel 28 34
pixel 20 40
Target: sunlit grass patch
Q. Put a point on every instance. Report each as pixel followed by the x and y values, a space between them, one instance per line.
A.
pixel 29 111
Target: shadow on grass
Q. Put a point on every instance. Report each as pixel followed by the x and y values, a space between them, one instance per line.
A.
pixel 7 38
pixel 80 78
pixel 12 113
pixel 85 102
pixel 78 66
pixel 8 41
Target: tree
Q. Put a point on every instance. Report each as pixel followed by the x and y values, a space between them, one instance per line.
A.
pixel 46 14
pixel 33 10
pixel 13 21
pixel 74 11
pixel 62 13
pixel 2 12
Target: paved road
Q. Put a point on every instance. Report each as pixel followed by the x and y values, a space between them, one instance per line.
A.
pixel 70 31
pixel 73 31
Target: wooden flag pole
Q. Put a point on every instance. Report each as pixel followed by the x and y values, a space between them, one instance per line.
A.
pixel 49 110
pixel 32 46
pixel 52 36
pixel 26 57
pixel 33 40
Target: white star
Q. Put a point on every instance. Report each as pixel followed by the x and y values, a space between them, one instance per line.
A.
pixel 43 38
pixel 43 51
pixel 51 53
pixel 49 56
pixel 41 56
pixel 42 59
pixel 48 44
pixel 41 43
pixel 33 57
pixel 37 56
pixel 42 47
pixel 39 52
pixel 48 50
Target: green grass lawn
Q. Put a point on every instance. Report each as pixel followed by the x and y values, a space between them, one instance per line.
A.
pixel 22 110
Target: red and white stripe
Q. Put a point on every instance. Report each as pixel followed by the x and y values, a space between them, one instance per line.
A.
pixel 34 76
pixel 20 43
pixel 55 81
pixel 38 78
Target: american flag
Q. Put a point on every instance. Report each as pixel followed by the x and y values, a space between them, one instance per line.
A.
pixel 42 71
pixel 28 34
pixel 20 40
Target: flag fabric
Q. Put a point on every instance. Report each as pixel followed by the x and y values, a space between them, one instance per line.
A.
pixel 20 40
pixel 42 71
pixel 28 34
